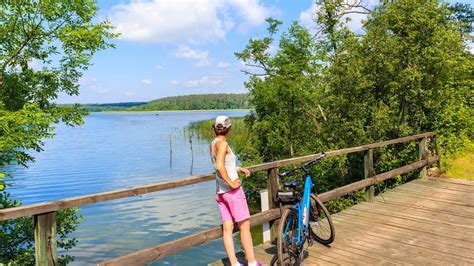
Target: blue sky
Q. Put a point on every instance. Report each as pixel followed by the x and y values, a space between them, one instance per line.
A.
pixel 180 47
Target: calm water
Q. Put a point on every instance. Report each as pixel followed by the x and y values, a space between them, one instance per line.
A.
pixel 121 150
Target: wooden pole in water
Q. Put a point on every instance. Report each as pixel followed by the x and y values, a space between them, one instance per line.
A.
pixel 171 152
pixel 192 153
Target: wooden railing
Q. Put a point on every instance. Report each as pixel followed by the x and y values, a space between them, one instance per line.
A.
pixel 44 213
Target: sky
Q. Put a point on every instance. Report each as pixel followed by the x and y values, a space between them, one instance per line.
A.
pixel 180 47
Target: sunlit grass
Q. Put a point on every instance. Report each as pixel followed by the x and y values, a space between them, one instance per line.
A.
pixel 461 165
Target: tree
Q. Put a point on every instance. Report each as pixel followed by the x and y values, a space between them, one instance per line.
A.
pixel 44 48
pixel 283 90
pixel 408 71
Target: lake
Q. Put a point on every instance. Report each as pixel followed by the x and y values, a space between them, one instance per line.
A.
pixel 121 150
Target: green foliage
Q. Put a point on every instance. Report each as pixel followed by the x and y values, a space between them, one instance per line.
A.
pixel 44 48
pixel 284 95
pixel 197 102
pixel 409 72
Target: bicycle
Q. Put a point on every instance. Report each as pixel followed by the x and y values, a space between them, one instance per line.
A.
pixel 300 224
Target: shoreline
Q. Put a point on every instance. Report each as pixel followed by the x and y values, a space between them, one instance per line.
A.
pixel 174 111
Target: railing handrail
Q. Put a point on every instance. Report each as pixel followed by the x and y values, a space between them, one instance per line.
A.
pixel 162 250
pixel 51 206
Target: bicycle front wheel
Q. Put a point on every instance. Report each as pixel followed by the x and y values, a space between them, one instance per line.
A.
pixel 322 228
pixel 287 242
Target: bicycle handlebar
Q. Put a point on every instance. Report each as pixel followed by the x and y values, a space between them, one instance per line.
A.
pixel 293 171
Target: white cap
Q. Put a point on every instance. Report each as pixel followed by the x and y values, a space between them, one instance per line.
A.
pixel 222 121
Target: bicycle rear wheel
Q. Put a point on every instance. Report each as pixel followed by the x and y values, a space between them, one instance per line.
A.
pixel 322 228
pixel 287 242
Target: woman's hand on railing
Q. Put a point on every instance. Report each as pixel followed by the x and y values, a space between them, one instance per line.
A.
pixel 244 171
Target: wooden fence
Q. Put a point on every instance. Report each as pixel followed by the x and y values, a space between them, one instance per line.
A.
pixel 45 213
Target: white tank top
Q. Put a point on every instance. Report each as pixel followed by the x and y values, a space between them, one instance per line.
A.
pixel 230 166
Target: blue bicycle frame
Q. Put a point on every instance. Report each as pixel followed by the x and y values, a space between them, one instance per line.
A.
pixel 302 208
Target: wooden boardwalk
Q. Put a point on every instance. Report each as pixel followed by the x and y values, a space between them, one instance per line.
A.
pixel 426 221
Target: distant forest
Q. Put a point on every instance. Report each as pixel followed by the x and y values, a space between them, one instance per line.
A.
pixel 101 107
pixel 186 102
pixel 197 102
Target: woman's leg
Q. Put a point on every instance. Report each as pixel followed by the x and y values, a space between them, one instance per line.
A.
pixel 246 239
pixel 227 234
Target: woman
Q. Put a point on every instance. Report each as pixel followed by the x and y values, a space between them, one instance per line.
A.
pixel 230 196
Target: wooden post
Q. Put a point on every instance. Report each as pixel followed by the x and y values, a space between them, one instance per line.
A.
pixel 437 151
pixel 369 172
pixel 46 252
pixel 272 187
pixel 422 156
pixel 264 206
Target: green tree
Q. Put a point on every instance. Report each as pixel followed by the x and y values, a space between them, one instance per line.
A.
pixel 408 71
pixel 283 89
pixel 44 48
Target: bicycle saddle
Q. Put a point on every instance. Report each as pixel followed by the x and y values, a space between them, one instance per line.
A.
pixel 292 184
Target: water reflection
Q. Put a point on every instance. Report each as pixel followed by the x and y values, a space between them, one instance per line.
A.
pixel 121 150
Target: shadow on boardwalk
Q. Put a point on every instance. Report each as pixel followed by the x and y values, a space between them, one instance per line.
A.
pixel 425 221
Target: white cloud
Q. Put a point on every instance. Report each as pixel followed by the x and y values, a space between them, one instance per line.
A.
pixel 223 65
pixel 185 21
pixel 253 12
pixel 201 57
pixel 186 52
pixel 174 82
pixel 147 81
pixel 92 85
pixel 202 82
pixel 307 17
pixel 158 67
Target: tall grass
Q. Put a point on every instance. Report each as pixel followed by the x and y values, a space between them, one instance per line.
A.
pixel 461 164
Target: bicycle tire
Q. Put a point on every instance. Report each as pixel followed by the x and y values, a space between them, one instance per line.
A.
pixel 287 248
pixel 274 261
pixel 322 227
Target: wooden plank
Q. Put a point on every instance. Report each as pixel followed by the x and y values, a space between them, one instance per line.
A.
pixel 429 213
pixel 445 185
pixel 45 239
pixel 370 245
pixel 394 214
pixel 431 202
pixel 412 236
pixel 144 256
pixel 423 208
pixel 433 187
pixel 422 219
pixel 365 227
pixel 421 252
pixel 353 252
pixel 423 198
pixel 408 237
pixel 457 197
pixel 409 223
pixel 445 179
pixel 346 254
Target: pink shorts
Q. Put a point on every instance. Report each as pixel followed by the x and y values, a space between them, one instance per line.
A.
pixel 233 205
